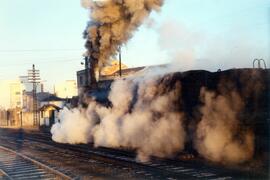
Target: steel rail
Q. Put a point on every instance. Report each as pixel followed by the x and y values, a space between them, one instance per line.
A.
pixel 167 167
pixel 30 161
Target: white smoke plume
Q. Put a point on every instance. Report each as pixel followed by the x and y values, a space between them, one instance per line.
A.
pixel 148 123
pixel 219 136
pixel 112 24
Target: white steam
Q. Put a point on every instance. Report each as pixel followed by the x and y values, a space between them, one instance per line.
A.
pixel 145 116
pixel 150 124
pixel 219 135
pixel 77 132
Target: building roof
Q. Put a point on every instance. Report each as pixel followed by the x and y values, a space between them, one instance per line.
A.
pixel 45 96
pixel 46 106
pixel 112 68
pixel 52 98
pixel 130 70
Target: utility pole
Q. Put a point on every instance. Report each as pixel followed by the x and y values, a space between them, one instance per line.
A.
pixel 120 62
pixel 34 78
pixel 21 115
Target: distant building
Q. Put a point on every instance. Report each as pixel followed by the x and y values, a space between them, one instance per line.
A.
pixel 107 74
pixel 20 94
pixel 3 117
pixel 49 115
pixel 49 110
pixel 48 107
pixel 67 89
pixel 29 86
pixel 28 100
pixel 16 89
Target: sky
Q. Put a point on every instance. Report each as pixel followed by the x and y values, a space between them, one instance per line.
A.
pixel 193 34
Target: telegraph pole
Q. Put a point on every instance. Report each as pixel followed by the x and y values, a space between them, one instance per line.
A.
pixel 120 62
pixel 34 78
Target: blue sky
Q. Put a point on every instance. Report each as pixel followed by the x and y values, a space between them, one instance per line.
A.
pixel 194 34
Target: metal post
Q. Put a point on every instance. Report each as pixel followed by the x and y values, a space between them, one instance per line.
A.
pixel 120 62
pixel 34 96
pixel 8 116
pixel 21 119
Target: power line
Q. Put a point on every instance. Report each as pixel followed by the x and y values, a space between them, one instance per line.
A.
pixel 36 50
pixel 41 62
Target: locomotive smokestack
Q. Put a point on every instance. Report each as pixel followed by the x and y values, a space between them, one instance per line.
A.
pixel 93 69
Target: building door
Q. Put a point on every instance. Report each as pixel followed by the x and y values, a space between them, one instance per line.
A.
pixel 51 117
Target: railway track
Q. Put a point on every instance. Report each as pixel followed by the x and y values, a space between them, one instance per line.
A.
pixel 188 169
pixel 126 161
pixel 14 165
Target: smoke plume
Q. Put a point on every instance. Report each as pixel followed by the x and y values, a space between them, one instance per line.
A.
pixel 112 24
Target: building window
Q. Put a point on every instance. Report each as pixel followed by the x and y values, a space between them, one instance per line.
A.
pixel 18 93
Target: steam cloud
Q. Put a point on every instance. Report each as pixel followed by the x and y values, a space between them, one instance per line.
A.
pixel 219 136
pixel 141 123
pixel 112 24
pixel 146 115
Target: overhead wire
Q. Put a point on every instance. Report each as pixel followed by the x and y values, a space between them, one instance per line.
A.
pixel 40 62
pixel 35 50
